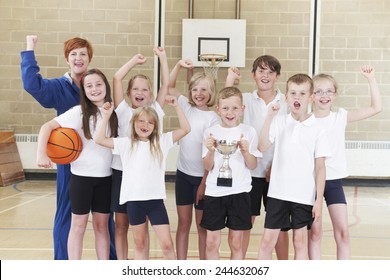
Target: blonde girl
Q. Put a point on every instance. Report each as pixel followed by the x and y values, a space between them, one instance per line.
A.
pixel 139 92
pixel 325 93
pixel 143 156
pixel 190 174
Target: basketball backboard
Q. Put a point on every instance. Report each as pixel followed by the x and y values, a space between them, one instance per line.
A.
pixel 214 36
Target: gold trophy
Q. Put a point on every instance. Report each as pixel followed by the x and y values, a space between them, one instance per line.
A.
pixel 226 148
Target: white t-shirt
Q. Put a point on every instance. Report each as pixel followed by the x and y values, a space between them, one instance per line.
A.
pixel 240 172
pixel 254 115
pixel 297 144
pixel 125 113
pixel 143 177
pixel 335 123
pixel 190 160
pixel 94 160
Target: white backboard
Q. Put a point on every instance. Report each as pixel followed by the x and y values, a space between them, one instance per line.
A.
pixel 215 36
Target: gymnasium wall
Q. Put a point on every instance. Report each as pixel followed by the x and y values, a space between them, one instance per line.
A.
pixel 351 33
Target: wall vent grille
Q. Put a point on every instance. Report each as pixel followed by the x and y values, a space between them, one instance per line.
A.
pixel 367 145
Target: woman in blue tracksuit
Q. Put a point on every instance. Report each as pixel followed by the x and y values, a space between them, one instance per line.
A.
pixel 61 94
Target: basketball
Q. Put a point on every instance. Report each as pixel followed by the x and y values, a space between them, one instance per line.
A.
pixel 64 145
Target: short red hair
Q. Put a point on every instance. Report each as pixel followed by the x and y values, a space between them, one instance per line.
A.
pixel 77 43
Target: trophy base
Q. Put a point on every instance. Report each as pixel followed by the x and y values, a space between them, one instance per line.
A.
pixel 224 182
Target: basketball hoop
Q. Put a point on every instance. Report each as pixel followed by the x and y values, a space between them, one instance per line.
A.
pixel 211 63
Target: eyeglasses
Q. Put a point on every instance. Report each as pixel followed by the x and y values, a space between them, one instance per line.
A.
pixel 322 93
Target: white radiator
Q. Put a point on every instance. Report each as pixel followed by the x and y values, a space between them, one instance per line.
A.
pixel 366 159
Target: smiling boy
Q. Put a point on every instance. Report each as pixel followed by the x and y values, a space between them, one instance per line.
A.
pixel 228 206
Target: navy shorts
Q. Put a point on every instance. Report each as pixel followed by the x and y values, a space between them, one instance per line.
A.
pixel 153 209
pixel 258 193
pixel 334 193
pixel 286 215
pixel 232 211
pixel 116 191
pixel 186 187
pixel 90 194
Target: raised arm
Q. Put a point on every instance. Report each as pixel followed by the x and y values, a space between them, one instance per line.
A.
pixel 232 76
pixel 163 90
pixel 100 137
pixel 185 127
pixel 31 41
pixel 264 142
pixel 376 102
pixel 175 72
pixel 43 137
pixel 43 90
pixel 121 74
pixel 183 63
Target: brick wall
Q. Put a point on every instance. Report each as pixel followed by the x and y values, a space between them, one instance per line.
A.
pixel 352 33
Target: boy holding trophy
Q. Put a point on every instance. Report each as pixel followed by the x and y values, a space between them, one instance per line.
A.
pixel 229 153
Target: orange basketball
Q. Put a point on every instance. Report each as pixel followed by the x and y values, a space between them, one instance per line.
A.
pixel 64 145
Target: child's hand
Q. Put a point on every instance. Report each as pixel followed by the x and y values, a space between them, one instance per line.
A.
pixel 159 51
pixel 200 192
pixel 44 161
pixel 171 100
pixel 317 211
pixel 243 144
pixel 139 59
pixel 107 109
pixel 211 143
pixel 186 63
pixel 273 110
pixel 31 41
pixel 367 71
pixel 234 72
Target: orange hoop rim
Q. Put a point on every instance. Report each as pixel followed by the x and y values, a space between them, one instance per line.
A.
pixel 212 58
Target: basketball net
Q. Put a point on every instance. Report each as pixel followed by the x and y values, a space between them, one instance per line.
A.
pixel 211 63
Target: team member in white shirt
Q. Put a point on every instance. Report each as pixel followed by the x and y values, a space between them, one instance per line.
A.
pixel 325 90
pixel 298 173
pixel 191 175
pixel 265 72
pixel 143 156
pixel 139 91
pixel 228 206
pixel 90 183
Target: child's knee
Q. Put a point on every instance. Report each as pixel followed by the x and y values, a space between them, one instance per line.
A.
pixel 139 243
pixel 167 246
pixel 235 243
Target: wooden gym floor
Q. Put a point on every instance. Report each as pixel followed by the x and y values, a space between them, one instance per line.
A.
pixel 27 211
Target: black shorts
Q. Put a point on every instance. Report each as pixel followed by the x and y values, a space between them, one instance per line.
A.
pixel 90 194
pixel 334 193
pixel 153 209
pixel 258 192
pixel 116 191
pixel 232 211
pixel 186 187
pixel 286 215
